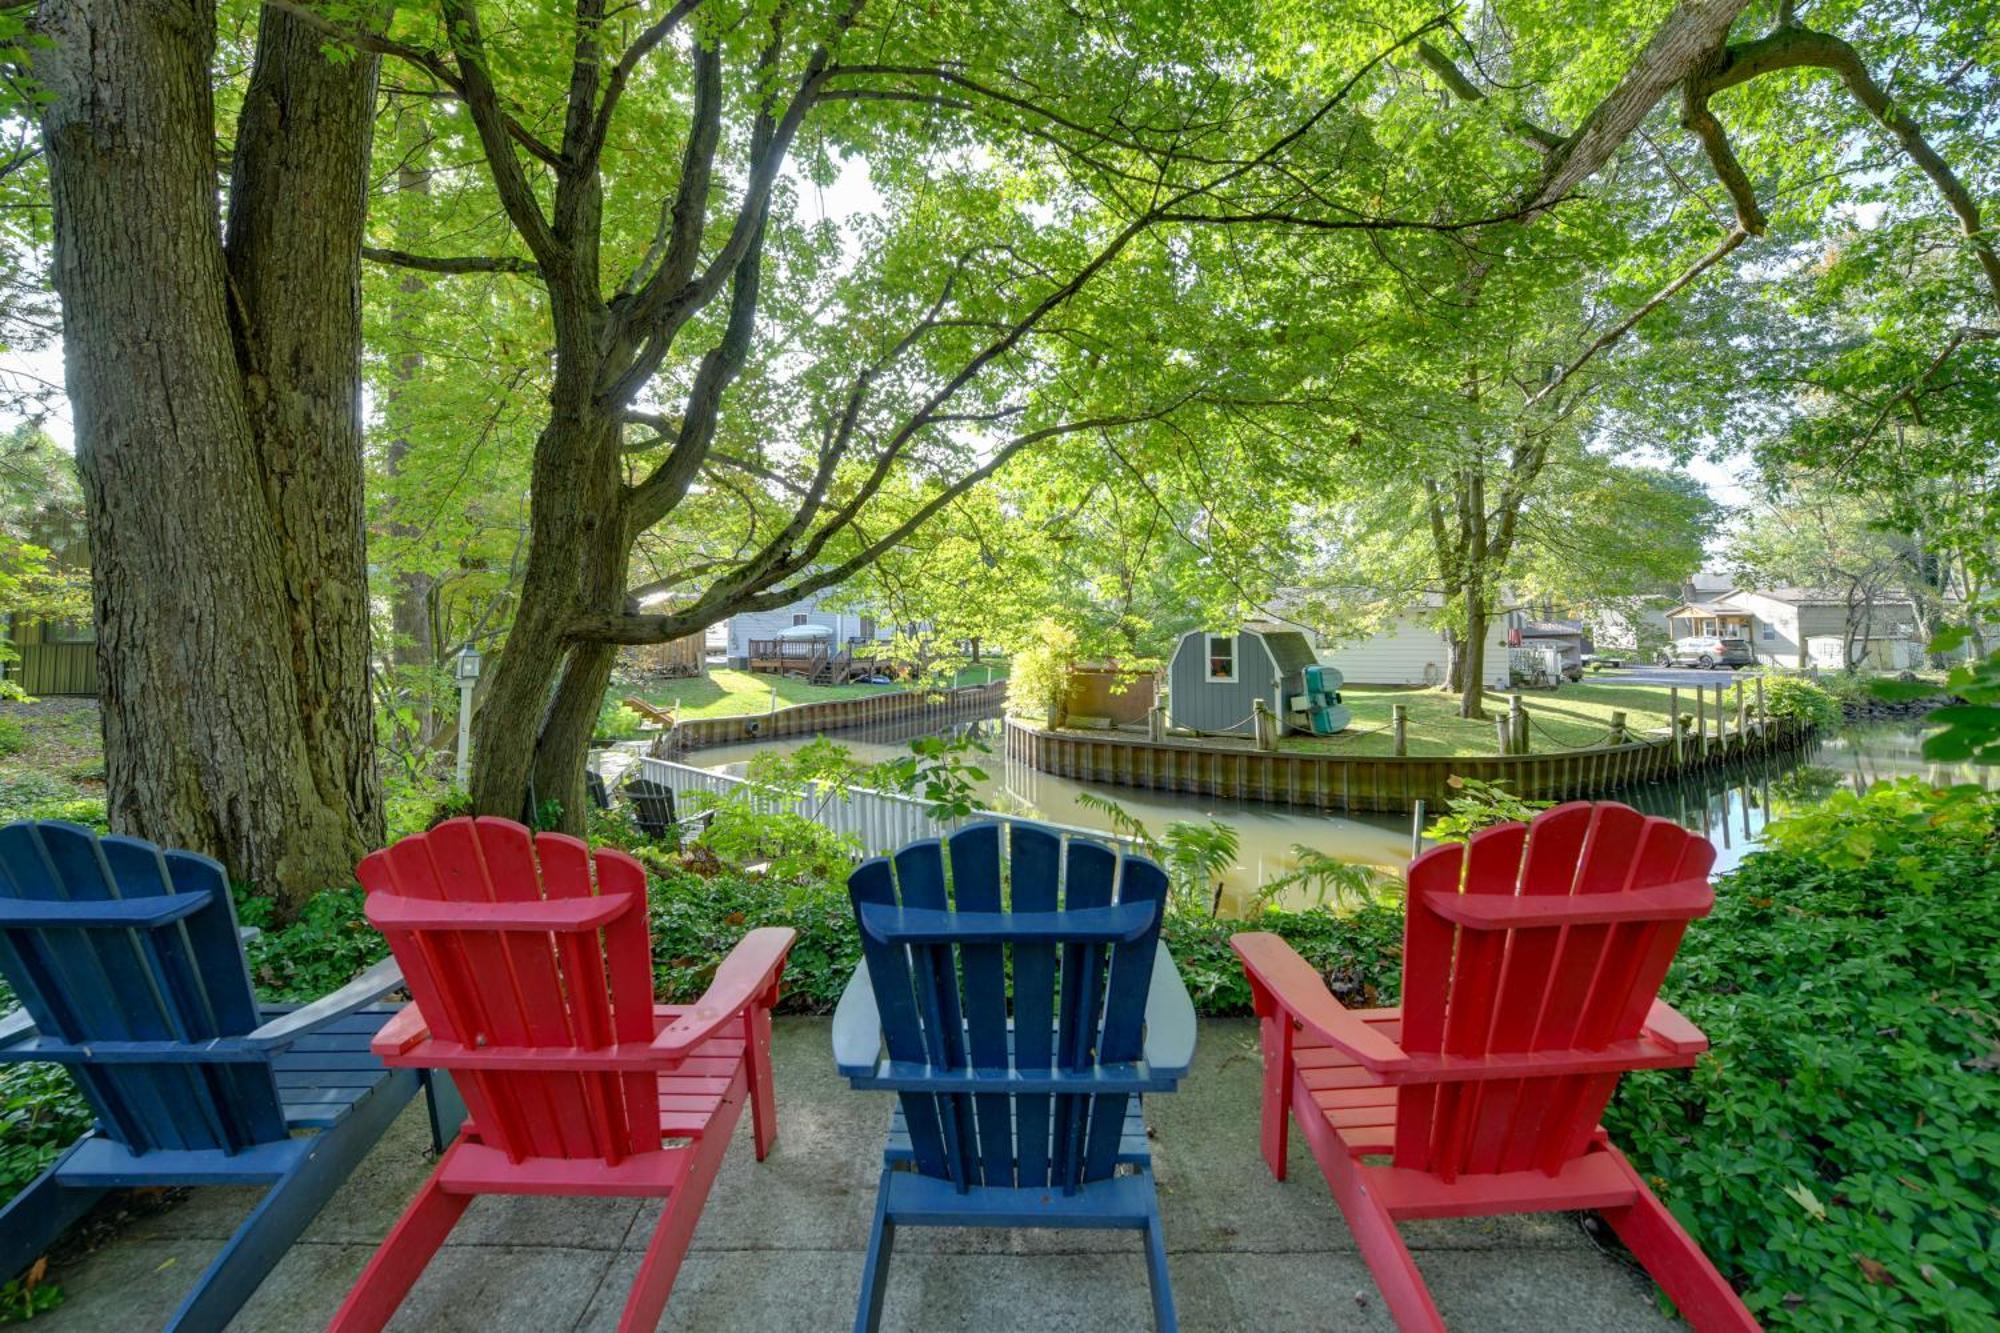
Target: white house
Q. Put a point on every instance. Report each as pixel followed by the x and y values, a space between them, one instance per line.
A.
pixel 1782 623
pixel 1407 651
pixel 847 626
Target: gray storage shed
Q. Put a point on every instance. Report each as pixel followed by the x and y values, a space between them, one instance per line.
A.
pixel 1215 680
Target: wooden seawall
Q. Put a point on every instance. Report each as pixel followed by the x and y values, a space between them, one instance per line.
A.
pixel 964 702
pixel 1379 782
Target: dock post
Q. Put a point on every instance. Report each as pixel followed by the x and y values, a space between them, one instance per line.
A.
pixel 1674 723
pixel 1505 733
pixel 1417 828
pixel 1519 717
pixel 1617 727
pixel 1399 719
pixel 1700 722
pixel 1763 718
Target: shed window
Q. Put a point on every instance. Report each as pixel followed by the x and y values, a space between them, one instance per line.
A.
pixel 798 618
pixel 1221 657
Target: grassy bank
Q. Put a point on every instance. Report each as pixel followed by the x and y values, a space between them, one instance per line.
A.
pixel 1572 717
pixel 726 692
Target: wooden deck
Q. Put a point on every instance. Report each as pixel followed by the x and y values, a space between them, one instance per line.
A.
pixel 821 661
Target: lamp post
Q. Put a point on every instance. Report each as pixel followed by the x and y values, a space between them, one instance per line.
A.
pixel 466 670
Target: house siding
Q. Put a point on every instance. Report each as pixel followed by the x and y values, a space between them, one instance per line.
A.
pixel 1200 704
pixel 766 624
pixel 1410 652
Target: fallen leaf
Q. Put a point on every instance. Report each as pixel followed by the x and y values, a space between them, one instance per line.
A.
pixel 1874 1271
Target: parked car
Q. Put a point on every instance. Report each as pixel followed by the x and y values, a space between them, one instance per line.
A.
pixel 1707 650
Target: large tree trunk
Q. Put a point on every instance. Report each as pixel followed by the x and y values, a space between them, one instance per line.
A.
pixel 530 735
pixel 216 400
pixel 1472 657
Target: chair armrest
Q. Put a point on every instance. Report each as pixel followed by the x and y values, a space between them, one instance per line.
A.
pixel 1169 1018
pixel 1277 971
pixel 1664 1024
pixel 359 993
pixel 857 1027
pixel 406 1030
pixel 245 934
pixel 747 976
pixel 15 1026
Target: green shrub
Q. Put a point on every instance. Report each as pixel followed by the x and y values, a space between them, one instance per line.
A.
pixel 697 919
pixel 1481 805
pixel 1837 1152
pixel 1038 675
pixel 41 1113
pixel 1798 698
pixel 328 945
pixel 616 722
pixel 13 736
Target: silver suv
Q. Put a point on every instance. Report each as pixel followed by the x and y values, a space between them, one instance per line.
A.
pixel 1708 650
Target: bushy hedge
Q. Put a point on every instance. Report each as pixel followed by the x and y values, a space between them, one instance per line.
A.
pixel 697 918
pixel 1796 697
pixel 1838 1150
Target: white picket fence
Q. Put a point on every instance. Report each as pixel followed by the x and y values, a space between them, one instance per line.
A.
pixel 880 821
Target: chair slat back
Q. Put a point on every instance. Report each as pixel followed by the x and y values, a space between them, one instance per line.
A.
pixel 1532 988
pixel 491 989
pixel 180 982
pixel 1070 998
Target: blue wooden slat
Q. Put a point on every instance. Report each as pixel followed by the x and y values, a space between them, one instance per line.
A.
pixel 79 1000
pixel 920 884
pixel 1141 885
pixel 975 884
pixel 1087 883
pixel 902 1035
pixel 137 914
pixel 1102 925
pixel 1034 885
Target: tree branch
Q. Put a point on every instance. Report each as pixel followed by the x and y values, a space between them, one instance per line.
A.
pixel 458 264
pixel 1466 90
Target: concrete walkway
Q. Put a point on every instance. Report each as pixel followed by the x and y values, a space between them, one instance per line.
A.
pixel 780 1245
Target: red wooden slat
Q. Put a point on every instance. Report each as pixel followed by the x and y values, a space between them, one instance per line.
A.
pixel 506 851
pixel 1492 865
pixel 1427 961
pixel 1548 870
pixel 565 863
pixel 628 949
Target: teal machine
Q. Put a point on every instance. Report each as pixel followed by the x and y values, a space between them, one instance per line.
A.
pixel 1323 713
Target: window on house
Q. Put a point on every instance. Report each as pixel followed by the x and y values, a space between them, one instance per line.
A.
pixel 1221 657
pixel 867 627
pixel 798 618
pixel 1768 632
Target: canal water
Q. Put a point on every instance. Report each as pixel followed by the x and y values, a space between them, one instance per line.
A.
pixel 1729 807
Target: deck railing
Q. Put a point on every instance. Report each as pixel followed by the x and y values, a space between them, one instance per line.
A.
pixel 880 821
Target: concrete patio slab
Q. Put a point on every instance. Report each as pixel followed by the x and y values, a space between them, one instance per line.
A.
pixel 780 1244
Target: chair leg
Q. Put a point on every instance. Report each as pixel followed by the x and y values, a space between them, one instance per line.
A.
pixel 290 1206
pixel 1375 1234
pixel 662 1263
pixel 1164 1319
pixel 763 1096
pixel 446 1108
pixel 1276 1031
pixel 1703 1296
pixel 875 1271
pixel 400 1260
pixel 36 1218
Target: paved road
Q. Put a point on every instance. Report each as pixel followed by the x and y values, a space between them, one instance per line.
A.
pixel 1659 675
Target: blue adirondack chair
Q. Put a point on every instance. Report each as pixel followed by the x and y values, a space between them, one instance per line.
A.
pixel 129 971
pixel 1021 1114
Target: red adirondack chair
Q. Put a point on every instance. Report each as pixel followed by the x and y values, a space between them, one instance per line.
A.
pixel 574 1081
pixel 1531 964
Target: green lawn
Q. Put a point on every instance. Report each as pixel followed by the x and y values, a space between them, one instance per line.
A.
pixel 1572 717
pixel 724 692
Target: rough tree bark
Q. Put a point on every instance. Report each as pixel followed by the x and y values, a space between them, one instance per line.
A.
pixel 216 397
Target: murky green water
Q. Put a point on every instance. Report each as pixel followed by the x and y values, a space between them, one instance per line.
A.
pixel 1730 808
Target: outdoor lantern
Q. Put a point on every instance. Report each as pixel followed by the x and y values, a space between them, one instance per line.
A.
pixel 468 665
